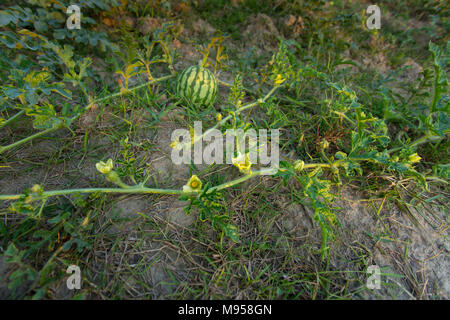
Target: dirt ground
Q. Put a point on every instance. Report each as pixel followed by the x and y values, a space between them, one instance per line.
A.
pixel 420 255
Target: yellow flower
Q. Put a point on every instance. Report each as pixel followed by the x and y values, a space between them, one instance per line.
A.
pixel 242 162
pixel 279 80
pixel 414 158
pixel 324 144
pixel 36 188
pixel 299 165
pixel 104 167
pixel 219 117
pixel 193 185
pixel 86 220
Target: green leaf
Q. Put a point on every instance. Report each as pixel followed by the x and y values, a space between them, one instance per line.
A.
pixel 231 232
pixel 45 116
pixel 12 250
pixel 6 18
pixel 9 39
pixel 12 93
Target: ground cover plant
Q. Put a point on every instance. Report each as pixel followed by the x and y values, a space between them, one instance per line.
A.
pixel 87 179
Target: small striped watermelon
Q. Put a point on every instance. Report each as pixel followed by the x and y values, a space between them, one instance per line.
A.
pixel 198 85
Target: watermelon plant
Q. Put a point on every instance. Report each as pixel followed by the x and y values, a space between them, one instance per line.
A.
pixel 368 144
pixel 46 77
pixel 48 18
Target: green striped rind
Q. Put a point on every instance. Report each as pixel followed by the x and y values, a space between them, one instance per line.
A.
pixel 198 85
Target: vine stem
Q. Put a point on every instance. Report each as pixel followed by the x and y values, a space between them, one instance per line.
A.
pixel 49 130
pixel 54 193
pixel 13 118
pixel 435 89
pixel 238 111
pixel 139 189
pixel 25 140
pixel 117 94
pixel 250 91
pixel 426 138
pixel 244 178
pixel 315 165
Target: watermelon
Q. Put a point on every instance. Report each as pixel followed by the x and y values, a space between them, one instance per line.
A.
pixel 198 85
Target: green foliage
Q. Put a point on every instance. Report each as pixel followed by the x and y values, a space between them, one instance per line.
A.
pixel 37 68
pixel 339 127
pixel 48 18
pixel 129 167
pixel 45 116
pixel 33 238
pixel 208 204
pixel 24 85
pixel 236 91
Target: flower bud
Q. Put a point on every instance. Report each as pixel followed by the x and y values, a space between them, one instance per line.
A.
pixel 113 177
pixel 299 165
pixel 279 80
pixel 414 158
pixel 324 144
pixel 104 167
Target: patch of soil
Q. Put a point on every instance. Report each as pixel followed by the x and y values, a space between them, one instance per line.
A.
pixel 261 33
pixel 420 255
